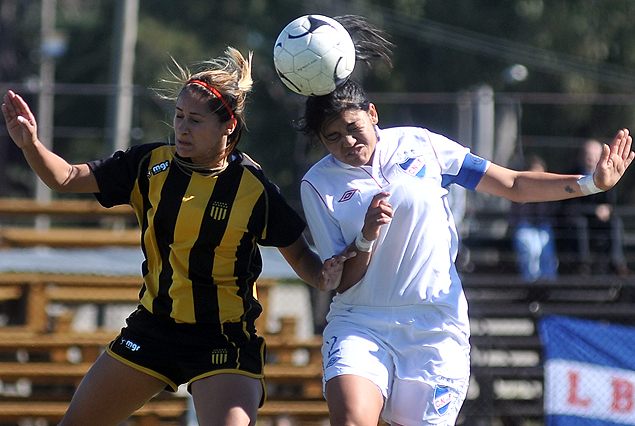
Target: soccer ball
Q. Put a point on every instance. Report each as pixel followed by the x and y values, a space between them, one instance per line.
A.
pixel 313 55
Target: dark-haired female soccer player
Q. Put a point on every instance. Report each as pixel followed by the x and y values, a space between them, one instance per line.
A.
pixel 396 344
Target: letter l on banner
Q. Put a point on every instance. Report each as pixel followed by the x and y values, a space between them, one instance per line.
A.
pixel 589 372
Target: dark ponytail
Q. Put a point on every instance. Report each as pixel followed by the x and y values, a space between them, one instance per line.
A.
pixel 370 43
pixel 370 46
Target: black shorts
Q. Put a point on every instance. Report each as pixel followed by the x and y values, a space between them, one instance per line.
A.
pixel 180 353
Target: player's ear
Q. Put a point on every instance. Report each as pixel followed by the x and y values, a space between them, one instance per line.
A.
pixel 230 126
pixel 372 112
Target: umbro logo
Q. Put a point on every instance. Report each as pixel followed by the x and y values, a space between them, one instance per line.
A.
pixel 347 195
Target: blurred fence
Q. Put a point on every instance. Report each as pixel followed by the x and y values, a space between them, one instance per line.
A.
pixel 508 352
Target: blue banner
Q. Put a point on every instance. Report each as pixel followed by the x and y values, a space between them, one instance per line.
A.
pixel 589 372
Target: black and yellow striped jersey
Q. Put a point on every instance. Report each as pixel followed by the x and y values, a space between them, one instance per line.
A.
pixel 200 234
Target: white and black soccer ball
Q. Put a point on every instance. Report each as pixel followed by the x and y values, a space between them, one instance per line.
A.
pixel 313 55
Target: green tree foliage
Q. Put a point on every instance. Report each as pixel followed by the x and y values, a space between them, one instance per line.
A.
pixel 440 47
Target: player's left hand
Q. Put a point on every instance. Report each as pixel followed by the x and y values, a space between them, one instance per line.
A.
pixel 331 273
pixel 614 161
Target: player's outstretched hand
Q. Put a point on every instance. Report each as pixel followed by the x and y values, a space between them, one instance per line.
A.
pixel 614 161
pixel 331 274
pixel 21 123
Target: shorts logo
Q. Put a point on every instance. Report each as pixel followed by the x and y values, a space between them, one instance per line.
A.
pixel 347 195
pixel 442 399
pixel 219 356
pixel 332 355
pixel 158 168
pixel 129 344
pixel 414 167
pixel 332 361
pixel 219 210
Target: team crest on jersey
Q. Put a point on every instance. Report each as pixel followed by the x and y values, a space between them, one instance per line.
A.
pixel 219 210
pixel 347 195
pixel 158 168
pixel 414 167
pixel 442 399
pixel 219 356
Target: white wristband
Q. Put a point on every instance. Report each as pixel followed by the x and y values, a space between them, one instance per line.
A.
pixel 587 186
pixel 362 243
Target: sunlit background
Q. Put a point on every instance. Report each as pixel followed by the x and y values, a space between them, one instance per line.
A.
pixel 508 78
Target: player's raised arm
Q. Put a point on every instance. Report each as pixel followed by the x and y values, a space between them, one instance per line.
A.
pixel 527 186
pixel 54 171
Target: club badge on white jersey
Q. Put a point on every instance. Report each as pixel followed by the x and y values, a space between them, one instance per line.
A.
pixel 443 398
pixel 414 167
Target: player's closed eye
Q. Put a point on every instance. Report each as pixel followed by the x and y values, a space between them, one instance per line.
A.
pixel 181 117
pixel 332 138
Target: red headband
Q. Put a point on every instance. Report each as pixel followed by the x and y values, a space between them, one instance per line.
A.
pixel 216 93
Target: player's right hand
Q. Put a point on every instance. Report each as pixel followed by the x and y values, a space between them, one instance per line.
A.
pixel 21 123
pixel 379 213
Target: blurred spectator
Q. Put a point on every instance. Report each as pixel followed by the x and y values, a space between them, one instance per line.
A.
pixel 597 231
pixel 533 239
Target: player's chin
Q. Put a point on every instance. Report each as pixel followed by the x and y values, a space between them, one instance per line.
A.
pixel 355 160
pixel 184 149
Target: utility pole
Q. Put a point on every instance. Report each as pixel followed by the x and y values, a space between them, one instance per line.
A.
pixel 46 97
pixel 126 27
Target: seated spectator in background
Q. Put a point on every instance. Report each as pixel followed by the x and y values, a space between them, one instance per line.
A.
pixel 597 230
pixel 533 239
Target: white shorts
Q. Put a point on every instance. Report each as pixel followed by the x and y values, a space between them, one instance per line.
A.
pixel 419 361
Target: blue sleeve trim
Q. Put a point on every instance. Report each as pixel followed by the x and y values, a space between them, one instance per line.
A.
pixel 470 174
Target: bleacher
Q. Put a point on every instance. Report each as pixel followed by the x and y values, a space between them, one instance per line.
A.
pixel 42 358
pixel 507 359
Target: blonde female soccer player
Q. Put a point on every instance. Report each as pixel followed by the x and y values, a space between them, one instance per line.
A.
pixel 204 208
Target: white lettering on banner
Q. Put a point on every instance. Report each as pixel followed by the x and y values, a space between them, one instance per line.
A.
pixel 588 390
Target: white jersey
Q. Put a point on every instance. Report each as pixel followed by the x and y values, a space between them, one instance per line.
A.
pixel 413 258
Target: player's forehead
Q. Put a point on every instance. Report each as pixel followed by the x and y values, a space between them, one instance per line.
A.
pixel 344 120
pixel 191 102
